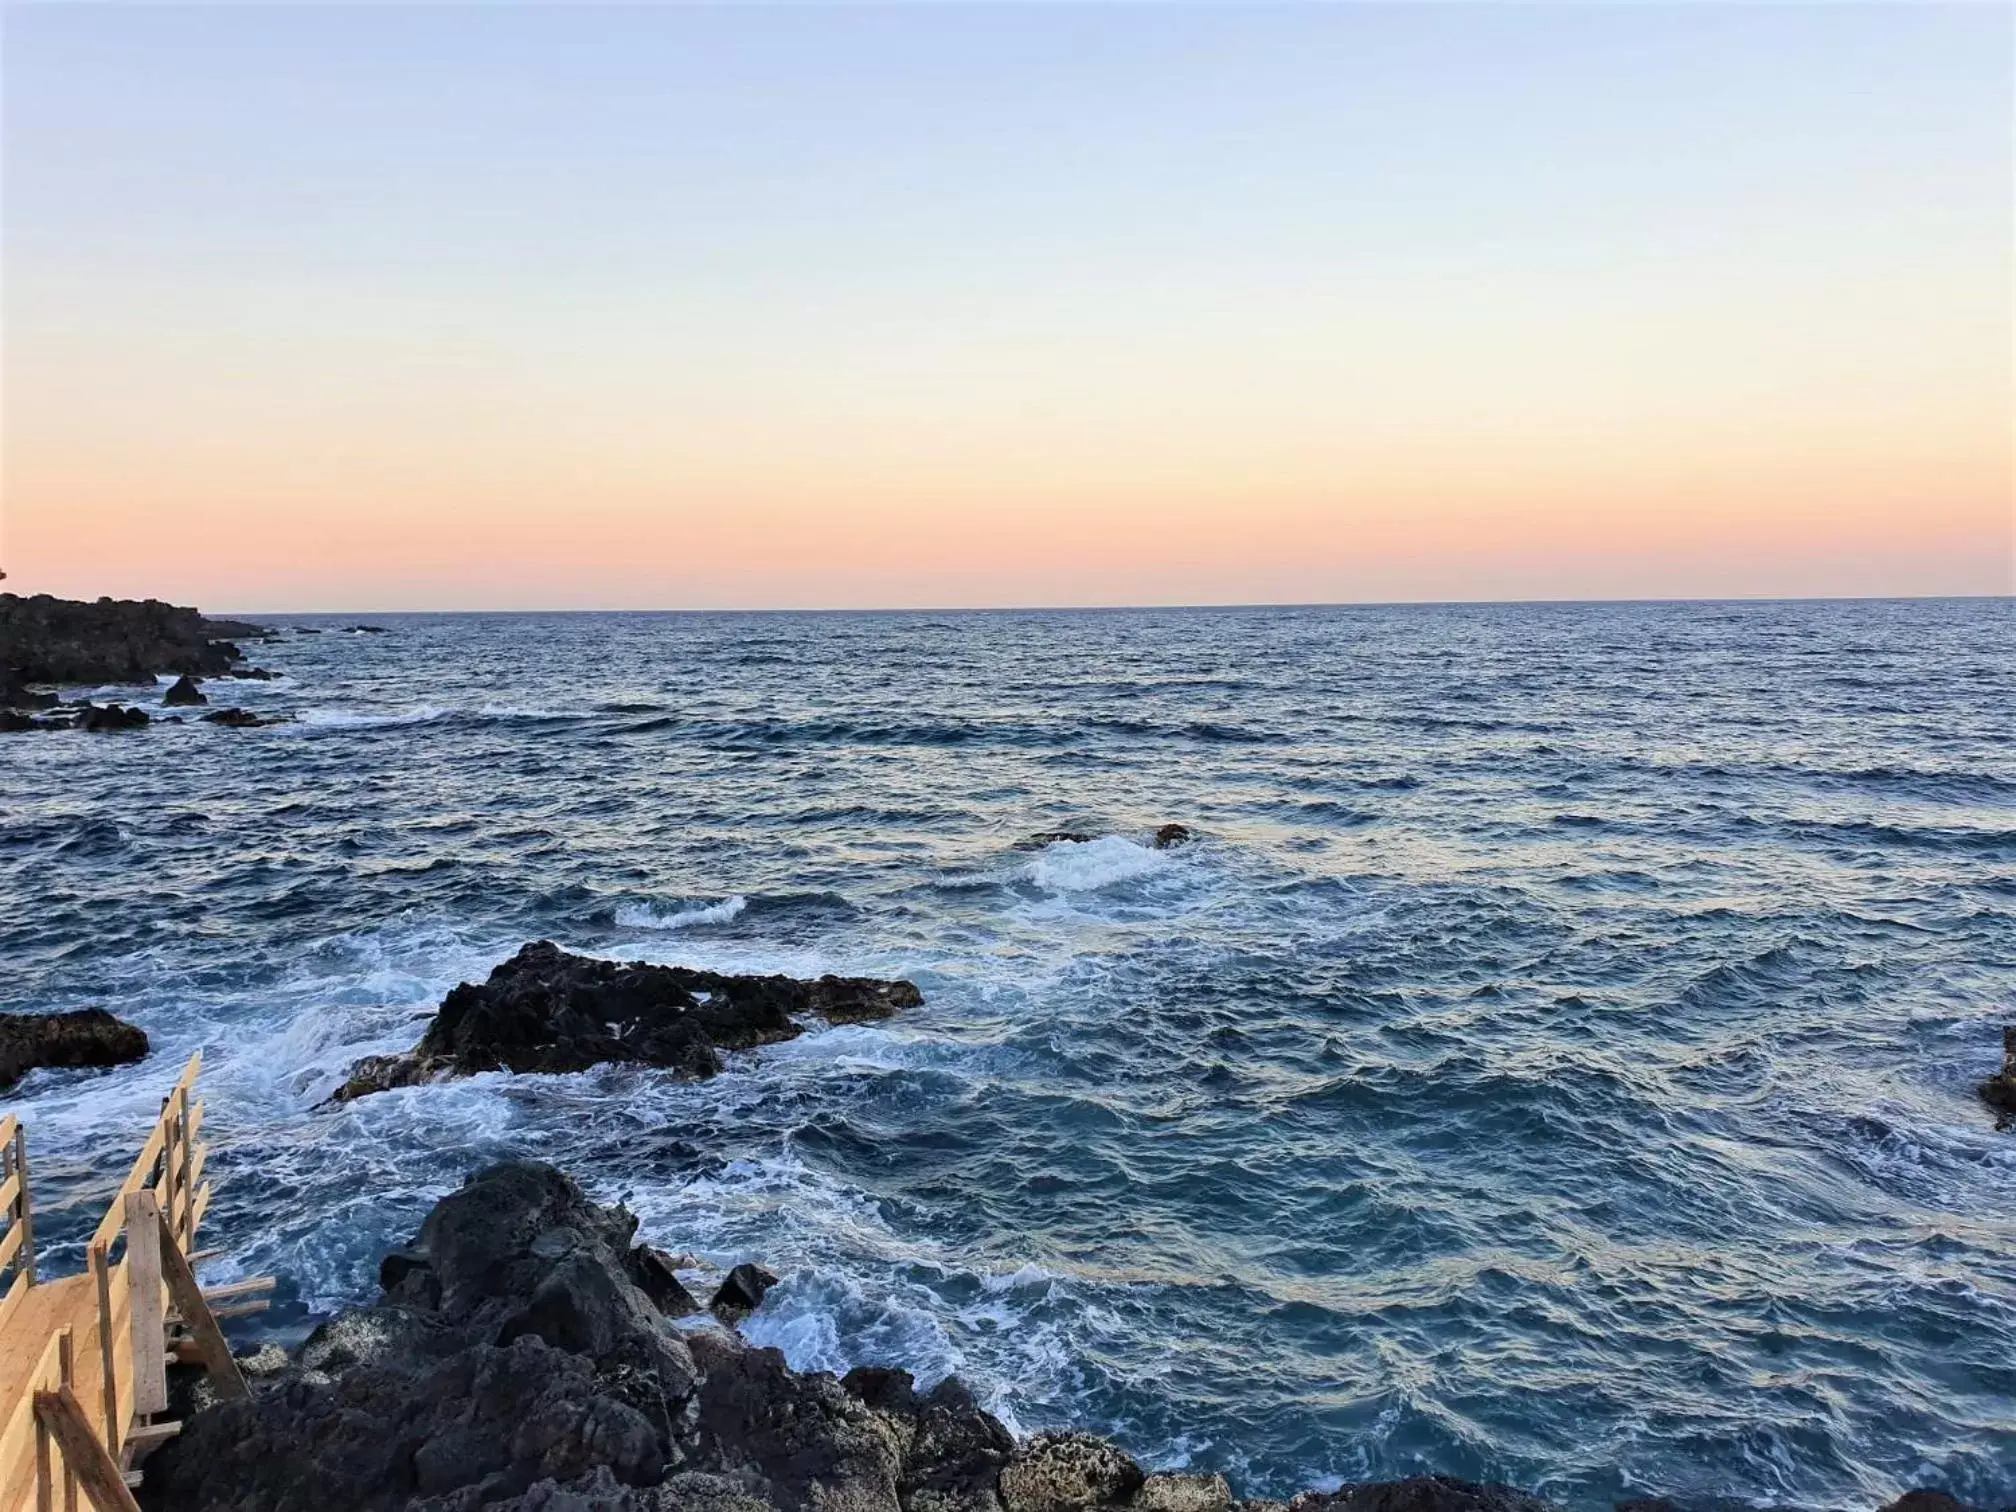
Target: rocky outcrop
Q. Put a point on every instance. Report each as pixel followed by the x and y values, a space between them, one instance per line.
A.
pixel 1999 1091
pixel 240 719
pixel 547 1010
pixel 1042 838
pixel 104 719
pixel 1171 835
pixel 52 640
pixel 514 1363
pixel 183 693
pixel 82 1037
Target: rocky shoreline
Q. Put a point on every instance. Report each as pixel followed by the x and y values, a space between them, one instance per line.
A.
pixel 527 1354
pixel 47 643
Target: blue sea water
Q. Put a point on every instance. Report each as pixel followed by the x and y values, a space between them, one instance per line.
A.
pixel 1553 1063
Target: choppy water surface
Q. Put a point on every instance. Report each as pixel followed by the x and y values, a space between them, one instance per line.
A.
pixel 1554 1063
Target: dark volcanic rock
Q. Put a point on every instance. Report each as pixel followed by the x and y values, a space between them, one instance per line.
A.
pixel 13 721
pixel 1420 1493
pixel 513 1364
pixel 1171 835
pixel 183 693
pixel 103 719
pixel 1053 837
pixel 250 674
pixel 529 1356
pixel 240 719
pixel 547 1010
pixel 1999 1091
pixel 83 1037
pixel 16 694
pixel 743 1292
pixel 52 640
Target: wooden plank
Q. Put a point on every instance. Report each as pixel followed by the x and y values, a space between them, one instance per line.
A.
pixel 10 1189
pixel 196 1316
pixel 83 1456
pixel 11 1245
pixel 25 1213
pixel 108 1357
pixel 8 1124
pixel 215 1294
pixel 146 1328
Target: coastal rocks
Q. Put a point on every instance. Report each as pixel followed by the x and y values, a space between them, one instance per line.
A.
pixel 514 1363
pixel 240 719
pixel 1420 1493
pixel 1053 837
pixel 82 1037
pixel 742 1293
pixel 183 693
pixel 545 1010
pixel 51 640
pixel 1172 835
pixel 511 1349
pixel 1067 1472
pixel 1999 1090
pixel 105 719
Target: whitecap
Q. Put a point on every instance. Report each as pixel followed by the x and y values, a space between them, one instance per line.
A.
pixel 679 915
pixel 353 719
pixel 1084 865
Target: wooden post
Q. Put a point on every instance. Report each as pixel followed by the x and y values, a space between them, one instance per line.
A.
pixel 108 1350
pixel 85 1461
pixel 66 1372
pixel 149 1320
pixel 26 1214
pixel 196 1314
pixel 185 1235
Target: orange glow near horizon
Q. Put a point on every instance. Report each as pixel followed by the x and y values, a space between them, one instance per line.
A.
pixel 1763 350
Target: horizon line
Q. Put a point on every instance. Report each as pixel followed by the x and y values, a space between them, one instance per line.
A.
pixel 1508 603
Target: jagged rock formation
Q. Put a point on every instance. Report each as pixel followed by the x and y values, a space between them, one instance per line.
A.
pixel 52 640
pixel 83 1037
pixel 515 1363
pixel 547 1010
pixel 183 693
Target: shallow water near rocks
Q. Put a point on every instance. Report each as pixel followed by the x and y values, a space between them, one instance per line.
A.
pixel 1554 1061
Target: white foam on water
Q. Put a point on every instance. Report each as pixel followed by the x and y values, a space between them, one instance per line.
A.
pixel 1087 865
pixel 355 719
pixel 678 915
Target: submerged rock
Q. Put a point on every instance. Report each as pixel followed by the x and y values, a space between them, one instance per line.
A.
pixel 183 693
pixel 103 719
pixel 240 719
pixel 1172 835
pixel 1999 1091
pixel 1420 1493
pixel 82 1037
pixel 547 1010
pixel 1053 837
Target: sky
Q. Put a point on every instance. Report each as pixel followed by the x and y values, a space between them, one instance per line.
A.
pixel 379 306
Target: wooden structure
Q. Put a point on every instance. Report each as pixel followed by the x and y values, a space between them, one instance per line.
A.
pixel 83 1359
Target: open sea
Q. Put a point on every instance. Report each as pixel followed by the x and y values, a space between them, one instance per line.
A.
pixel 1553 1063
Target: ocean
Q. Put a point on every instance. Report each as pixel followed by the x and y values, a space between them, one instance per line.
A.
pixel 1553 1061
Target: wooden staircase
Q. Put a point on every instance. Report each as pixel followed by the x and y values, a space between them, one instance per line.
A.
pixel 84 1359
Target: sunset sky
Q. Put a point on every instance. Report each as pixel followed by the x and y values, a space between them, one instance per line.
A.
pixel 385 306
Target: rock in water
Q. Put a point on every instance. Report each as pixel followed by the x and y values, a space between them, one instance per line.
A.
pixel 513 1364
pixel 1999 1091
pixel 742 1293
pixel 1171 835
pixel 547 1010
pixel 84 1037
pixel 183 693
pixel 105 719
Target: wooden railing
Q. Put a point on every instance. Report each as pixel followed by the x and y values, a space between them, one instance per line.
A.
pixel 17 1220
pixel 83 1360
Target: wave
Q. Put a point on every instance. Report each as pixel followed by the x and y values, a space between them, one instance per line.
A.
pixel 1086 865
pixel 357 719
pixel 679 915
